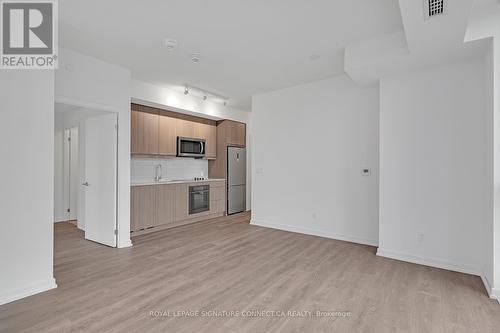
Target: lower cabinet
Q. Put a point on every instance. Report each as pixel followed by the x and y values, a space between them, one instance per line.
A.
pixel 142 207
pixel 164 205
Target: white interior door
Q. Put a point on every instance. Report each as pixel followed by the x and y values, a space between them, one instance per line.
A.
pixel 100 179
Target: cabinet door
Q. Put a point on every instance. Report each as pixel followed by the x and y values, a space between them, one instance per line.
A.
pixel 209 133
pixel 166 204
pixel 236 133
pixel 144 133
pixel 217 193
pixel 181 202
pixel 185 128
pixel 143 207
pixel 211 149
pixel 167 136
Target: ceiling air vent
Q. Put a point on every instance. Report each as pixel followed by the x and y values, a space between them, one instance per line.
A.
pixel 434 8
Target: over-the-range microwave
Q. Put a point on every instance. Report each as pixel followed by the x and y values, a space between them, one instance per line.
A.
pixel 190 147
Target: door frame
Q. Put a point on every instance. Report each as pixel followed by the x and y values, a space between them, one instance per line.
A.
pixel 105 108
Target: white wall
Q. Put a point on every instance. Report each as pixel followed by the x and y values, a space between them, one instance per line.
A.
pixel 487 238
pixel 484 23
pixel 95 85
pixel 432 166
pixel 309 146
pixel 26 199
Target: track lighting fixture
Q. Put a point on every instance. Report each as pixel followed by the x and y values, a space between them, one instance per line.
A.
pixel 205 94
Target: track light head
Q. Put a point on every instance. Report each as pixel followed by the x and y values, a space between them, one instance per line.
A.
pixel 205 97
pixel 186 91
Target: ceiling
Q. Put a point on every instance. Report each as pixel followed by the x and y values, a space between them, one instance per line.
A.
pixel 246 47
pixel 423 43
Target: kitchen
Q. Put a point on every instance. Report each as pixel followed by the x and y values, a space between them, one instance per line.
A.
pixel 184 169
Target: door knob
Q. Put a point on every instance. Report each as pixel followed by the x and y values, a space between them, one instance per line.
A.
pixel 86 184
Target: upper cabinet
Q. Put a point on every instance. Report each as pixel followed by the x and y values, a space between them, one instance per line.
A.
pixel 236 133
pixel 209 133
pixel 144 133
pixel 186 128
pixel 167 136
pixel 155 132
pixel 229 133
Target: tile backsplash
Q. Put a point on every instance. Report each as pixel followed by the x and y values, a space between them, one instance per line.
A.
pixel 143 169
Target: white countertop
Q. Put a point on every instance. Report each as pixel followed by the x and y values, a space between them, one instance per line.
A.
pixel 168 182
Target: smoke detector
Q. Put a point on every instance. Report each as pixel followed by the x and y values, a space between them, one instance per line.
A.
pixel 195 57
pixel 169 43
pixel 434 8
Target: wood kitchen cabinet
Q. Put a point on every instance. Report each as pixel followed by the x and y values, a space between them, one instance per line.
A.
pixel 155 131
pixel 236 133
pixel 151 206
pixel 161 206
pixel 144 133
pixel 143 207
pixel 167 139
pixel 229 133
pixel 165 203
pixel 186 128
pixel 209 133
pixel 181 202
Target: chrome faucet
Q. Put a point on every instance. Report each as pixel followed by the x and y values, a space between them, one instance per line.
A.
pixel 158 175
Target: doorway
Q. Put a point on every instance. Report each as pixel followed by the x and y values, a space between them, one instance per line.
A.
pixel 85 173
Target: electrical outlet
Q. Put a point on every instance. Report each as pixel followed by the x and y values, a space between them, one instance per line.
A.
pixel 259 171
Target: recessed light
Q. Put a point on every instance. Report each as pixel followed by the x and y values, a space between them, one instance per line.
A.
pixel 169 43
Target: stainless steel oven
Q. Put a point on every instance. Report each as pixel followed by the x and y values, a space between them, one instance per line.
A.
pixel 190 147
pixel 199 199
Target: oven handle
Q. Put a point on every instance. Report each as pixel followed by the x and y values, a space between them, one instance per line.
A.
pixel 200 192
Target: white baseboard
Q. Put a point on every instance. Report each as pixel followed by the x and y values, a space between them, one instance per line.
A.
pixel 314 232
pixel 124 244
pixel 28 290
pixel 495 294
pixel 487 285
pixel 432 262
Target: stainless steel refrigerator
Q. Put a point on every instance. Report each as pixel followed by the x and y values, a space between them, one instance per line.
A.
pixel 236 179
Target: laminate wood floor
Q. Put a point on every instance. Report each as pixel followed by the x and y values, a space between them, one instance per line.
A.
pixel 228 265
